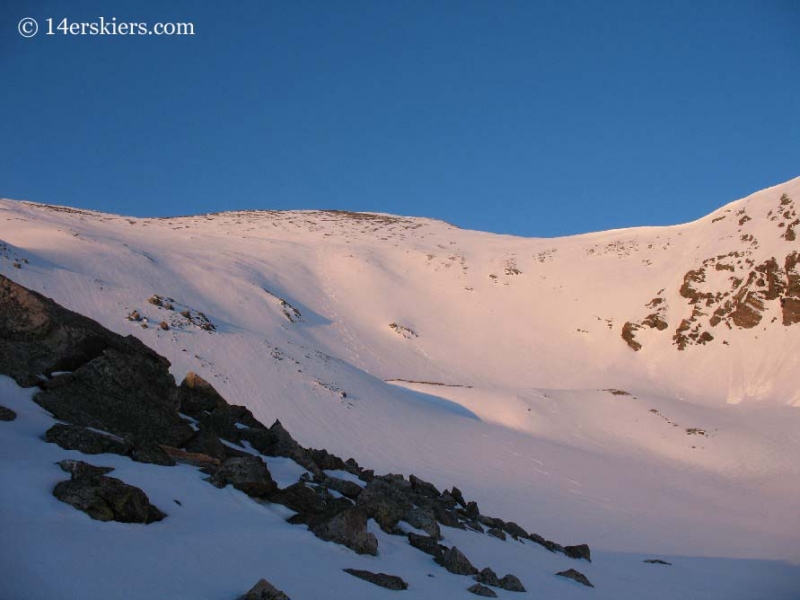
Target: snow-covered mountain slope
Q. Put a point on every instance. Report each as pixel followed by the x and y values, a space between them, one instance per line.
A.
pixel 634 389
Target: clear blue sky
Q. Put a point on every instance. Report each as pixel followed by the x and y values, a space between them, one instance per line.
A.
pixel 536 118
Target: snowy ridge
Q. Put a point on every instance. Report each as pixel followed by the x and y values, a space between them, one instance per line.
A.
pixel 694 458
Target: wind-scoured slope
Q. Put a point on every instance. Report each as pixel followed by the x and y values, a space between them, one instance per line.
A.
pixel 314 311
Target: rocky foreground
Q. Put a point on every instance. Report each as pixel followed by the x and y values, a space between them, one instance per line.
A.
pixel 113 395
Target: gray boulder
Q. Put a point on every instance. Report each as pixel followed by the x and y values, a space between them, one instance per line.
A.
pixel 248 474
pixel 390 582
pixel 104 498
pixel 264 590
pixel 74 437
pixel 348 528
pixel 579 551
pixel 488 577
pixel 511 583
pixel 482 590
pixel 454 561
pixel 427 544
pixel 575 576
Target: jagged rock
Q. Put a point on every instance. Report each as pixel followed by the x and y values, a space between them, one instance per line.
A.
pixel 488 577
pixel 205 441
pixel 264 590
pixel 248 474
pixel 348 528
pixel 482 590
pixel 454 561
pixel 511 583
pixel 458 496
pixel 348 489
pixel 390 582
pixel 326 461
pixel 515 530
pixel 104 498
pixel 423 518
pixel 6 414
pixel 498 533
pixel 579 551
pixel 427 544
pixel 312 504
pixel 551 546
pixel 472 510
pixel 575 576
pixel 385 503
pixel 423 488
pixel 73 437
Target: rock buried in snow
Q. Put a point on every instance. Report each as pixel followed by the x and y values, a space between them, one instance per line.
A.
pixel 390 582
pixel 264 590
pixel 6 414
pixel 104 498
pixel 575 576
pixel 482 590
pixel 579 551
pixel 455 562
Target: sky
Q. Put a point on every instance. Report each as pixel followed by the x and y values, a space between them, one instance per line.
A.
pixel 535 118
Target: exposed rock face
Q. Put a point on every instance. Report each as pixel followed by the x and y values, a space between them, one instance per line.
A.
pixel 73 437
pixel 390 582
pixel 104 498
pixel 264 590
pixel 248 474
pixel 575 576
pixel 482 590
pixel 6 414
pixel 349 528
pixel 579 551
pixel 385 503
pixel 454 561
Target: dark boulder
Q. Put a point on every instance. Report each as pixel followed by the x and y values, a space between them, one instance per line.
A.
pixel 6 414
pixel 104 498
pixel 264 590
pixel 454 561
pixel 427 544
pixel 390 582
pixel 348 528
pixel 73 437
pixel 498 533
pixel 579 551
pixel 423 488
pixel 482 590
pixel 511 583
pixel 347 488
pixel 458 496
pixel 312 504
pixel 515 530
pixel 488 577
pixel 248 474
pixel 575 576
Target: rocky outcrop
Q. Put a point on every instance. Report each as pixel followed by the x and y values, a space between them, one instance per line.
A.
pixel 6 414
pixel 575 576
pixel 390 582
pixel 581 551
pixel 264 590
pixel 104 498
